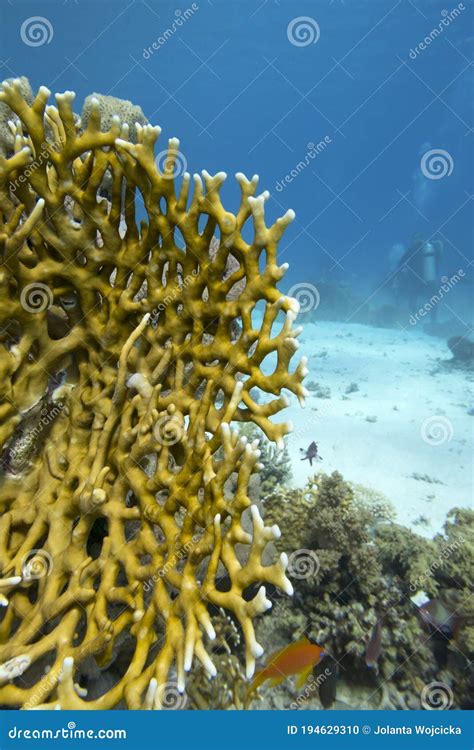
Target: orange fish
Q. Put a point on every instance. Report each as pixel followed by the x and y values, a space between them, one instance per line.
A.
pixel 297 658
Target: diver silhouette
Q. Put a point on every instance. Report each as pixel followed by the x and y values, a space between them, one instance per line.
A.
pixel 417 275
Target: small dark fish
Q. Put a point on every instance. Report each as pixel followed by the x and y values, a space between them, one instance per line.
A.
pixel 374 647
pixel 310 453
pixel 326 673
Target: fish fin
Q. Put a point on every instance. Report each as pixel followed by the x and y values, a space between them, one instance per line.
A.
pixel 258 680
pixel 277 680
pixel 303 677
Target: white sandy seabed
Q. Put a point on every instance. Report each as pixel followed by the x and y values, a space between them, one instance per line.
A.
pixel 406 432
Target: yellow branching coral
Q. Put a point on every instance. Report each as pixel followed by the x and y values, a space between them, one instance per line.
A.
pixel 129 344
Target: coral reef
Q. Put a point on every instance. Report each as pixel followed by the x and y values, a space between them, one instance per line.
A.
pixel 124 315
pixel 7 134
pixel 130 115
pixel 275 464
pixel 453 572
pixel 351 566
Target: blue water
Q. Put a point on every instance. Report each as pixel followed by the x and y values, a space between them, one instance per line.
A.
pixel 241 97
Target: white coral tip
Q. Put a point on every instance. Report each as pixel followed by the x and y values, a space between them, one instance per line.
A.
pixel 150 693
pixel 250 669
pixel 294 305
pixel 188 657
pixel 257 650
pixel 257 518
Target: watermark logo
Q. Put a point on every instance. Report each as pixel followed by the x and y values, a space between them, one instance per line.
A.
pixel 168 430
pixel 36 31
pixel 436 164
pixel 181 17
pixel 175 157
pixel 437 430
pixel 314 149
pixel 173 294
pixel 447 17
pixel 418 583
pixel 311 686
pixel 36 564
pixel 303 564
pixel 36 297
pixel 303 31
pixel 153 513
pixel 437 696
pixel 447 283
pixel 42 157
pixel 307 296
pixel 170 698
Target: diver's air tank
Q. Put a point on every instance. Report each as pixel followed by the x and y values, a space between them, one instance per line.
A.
pixel 429 262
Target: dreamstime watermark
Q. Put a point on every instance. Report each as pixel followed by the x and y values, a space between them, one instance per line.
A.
pixel 303 564
pixel 448 282
pixel 173 295
pixel 170 697
pixel 314 149
pixel 181 17
pixel 307 296
pixel 36 31
pixel 36 564
pixel 70 732
pixel 447 18
pixel 303 31
pixel 436 164
pixel 437 696
pixel 42 157
pixel 43 689
pixel 168 430
pixel 181 553
pixel 313 684
pixel 437 430
pixel 180 164
pixel 48 415
pixel 418 583
pixel 36 297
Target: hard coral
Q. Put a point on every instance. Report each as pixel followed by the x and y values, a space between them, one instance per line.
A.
pixel 109 107
pixel 346 576
pixel 115 525
pixel 276 464
pixel 7 138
